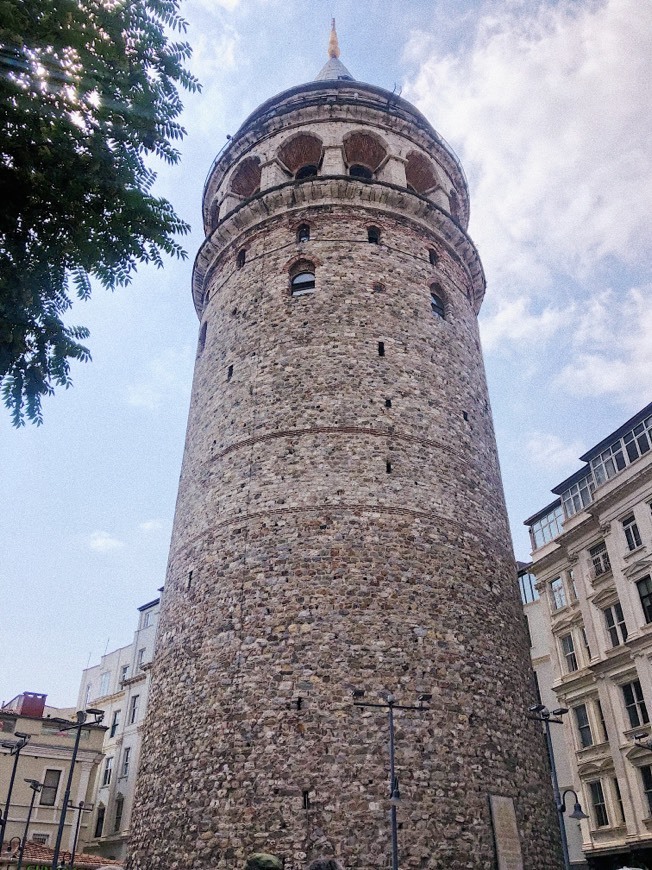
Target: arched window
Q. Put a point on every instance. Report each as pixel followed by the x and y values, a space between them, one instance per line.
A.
pixel 240 259
pixel 420 173
pixel 303 233
pixel 245 181
pixel 359 171
pixel 307 171
pixel 303 283
pixel 433 256
pixel 373 235
pixel 437 301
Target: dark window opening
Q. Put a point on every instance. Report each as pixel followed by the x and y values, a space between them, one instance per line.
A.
pixel 99 823
pixel 378 288
pixel 307 171
pixel 388 403
pixel 299 703
pixel 381 348
pixel 437 303
pixel 189 579
pixel 202 336
pixel 229 373
pixel 388 467
pixel 360 171
pixel 373 235
pixel 303 283
pixel 242 256
pixel 465 415
pixel 433 256
pixel 303 233
pixel 306 800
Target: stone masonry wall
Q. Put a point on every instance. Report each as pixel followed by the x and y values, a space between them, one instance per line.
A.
pixel 340 524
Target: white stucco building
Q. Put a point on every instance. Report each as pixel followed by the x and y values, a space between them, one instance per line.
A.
pixel 119 685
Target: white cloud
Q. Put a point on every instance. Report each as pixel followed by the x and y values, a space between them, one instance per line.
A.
pixel 150 526
pixel 514 321
pixel 613 349
pixel 550 110
pixel 167 376
pixel 103 542
pixel 551 452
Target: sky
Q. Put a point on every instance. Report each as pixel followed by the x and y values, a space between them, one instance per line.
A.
pixel 548 105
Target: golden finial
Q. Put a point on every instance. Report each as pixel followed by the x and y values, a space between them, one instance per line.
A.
pixel 333 46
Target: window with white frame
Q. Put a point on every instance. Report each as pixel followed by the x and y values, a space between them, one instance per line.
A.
pixel 104 683
pixel 126 761
pixel 637 442
pixel 599 805
pixel 578 496
pixel 568 651
pixel 115 723
pixel 557 593
pixel 108 769
pixel 644 587
pixel 547 528
pixel 600 559
pixel 140 660
pixel 608 463
pixel 615 622
pixel 124 673
pixel 635 704
pixel 632 534
pixel 147 619
pixel 41 839
pixel 119 809
pixel 583 725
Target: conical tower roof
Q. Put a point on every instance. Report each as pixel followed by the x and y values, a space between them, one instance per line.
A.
pixel 334 68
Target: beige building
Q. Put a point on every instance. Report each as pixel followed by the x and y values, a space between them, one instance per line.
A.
pixel 541 652
pixel 119 685
pixel 592 556
pixel 46 758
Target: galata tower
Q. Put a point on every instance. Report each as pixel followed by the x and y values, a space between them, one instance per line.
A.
pixel 340 522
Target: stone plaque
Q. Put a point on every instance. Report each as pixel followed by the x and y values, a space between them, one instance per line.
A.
pixel 508 845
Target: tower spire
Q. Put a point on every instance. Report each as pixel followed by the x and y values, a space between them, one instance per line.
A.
pixel 333 45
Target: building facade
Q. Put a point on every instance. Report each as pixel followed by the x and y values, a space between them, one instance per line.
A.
pixel 45 758
pixel 119 685
pixel 340 522
pixel 592 556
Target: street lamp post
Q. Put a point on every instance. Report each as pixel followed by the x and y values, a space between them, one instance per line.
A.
pixel 81 808
pixel 394 794
pixel 15 747
pixel 78 725
pixel 36 787
pixel 540 713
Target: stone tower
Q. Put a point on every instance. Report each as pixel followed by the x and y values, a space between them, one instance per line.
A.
pixel 340 521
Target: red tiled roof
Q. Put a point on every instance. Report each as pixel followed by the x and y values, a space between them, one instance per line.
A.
pixel 36 852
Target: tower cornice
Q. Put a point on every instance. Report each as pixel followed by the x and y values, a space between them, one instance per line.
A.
pixel 323 190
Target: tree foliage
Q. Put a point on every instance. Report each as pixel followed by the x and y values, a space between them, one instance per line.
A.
pixel 88 89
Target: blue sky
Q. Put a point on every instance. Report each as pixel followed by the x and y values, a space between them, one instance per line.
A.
pixel 548 106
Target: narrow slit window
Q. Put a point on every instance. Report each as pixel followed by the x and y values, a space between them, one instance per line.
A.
pixel 306 800
pixel 303 233
pixel 303 283
pixel 189 580
pixel 299 703
pixel 437 302
pixel 433 256
pixel 229 373
pixel 381 348
pixel 388 403
pixel 241 258
pixel 373 235
pixel 388 467
pixel 202 336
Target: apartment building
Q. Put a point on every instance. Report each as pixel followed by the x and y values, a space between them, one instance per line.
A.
pixel 592 557
pixel 119 685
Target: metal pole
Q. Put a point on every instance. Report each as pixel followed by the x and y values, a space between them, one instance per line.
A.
pixel 29 816
pixel 3 821
pixel 81 718
pixel 557 797
pixel 392 780
pixel 80 810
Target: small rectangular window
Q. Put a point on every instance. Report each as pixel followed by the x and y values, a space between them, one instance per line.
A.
pixel 388 467
pixel 306 800
pixel 600 559
pixel 133 709
pixel 108 770
pixel 381 348
pixel 126 760
pixel 600 816
pixel 583 725
pixel 632 534
pixel 140 661
pixel 50 787
pixel 557 593
pixel 635 704
pixel 115 722
pixel 615 622
pixel 388 403
pixel 568 649
pixel 229 373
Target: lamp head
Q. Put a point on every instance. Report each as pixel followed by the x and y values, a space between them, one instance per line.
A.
pixel 22 735
pixel 538 708
pixel 560 711
pixel 578 812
